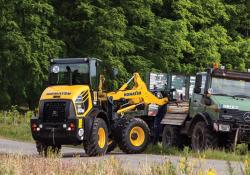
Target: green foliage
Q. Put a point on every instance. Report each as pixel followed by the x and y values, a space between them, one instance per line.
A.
pixel 180 36
pixel 25 49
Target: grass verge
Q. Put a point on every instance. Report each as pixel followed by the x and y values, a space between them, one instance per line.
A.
pixel 240 154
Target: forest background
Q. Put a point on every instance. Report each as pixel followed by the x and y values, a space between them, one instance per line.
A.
pixel 181 36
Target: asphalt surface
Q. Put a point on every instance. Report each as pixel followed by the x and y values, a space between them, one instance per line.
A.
pixel 134 161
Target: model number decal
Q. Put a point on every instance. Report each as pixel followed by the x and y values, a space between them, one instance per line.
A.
pixel 132 93
pixel 59 93
pixel 229 106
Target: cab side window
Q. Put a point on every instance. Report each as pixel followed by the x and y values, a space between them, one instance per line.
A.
pixel 93 74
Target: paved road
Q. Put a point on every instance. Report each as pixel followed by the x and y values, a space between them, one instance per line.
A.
pixel 134 161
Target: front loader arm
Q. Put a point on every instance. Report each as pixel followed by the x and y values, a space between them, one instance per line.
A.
pixel 138 94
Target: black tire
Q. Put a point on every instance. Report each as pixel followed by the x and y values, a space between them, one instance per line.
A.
pixel 203 137
pixel 44 150
pixel 127 138
pixel 171 137
pixel 41 149
pixel 111 146
pixel 92 147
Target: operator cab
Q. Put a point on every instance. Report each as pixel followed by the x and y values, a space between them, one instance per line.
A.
pixel 220 82
pixel 74 71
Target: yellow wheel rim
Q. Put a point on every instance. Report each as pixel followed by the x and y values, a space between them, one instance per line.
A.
pixel 137 136
pixel 101 137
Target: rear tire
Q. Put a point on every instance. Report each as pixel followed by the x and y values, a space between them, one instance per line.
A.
pixel 135 136
pixel 171 137
pixel 98 143
pixel 203 137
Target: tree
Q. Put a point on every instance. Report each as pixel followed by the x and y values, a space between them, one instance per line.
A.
pixel 25 49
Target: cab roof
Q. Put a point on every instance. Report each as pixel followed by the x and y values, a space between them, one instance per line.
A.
pixel 73 60
pixel 221 73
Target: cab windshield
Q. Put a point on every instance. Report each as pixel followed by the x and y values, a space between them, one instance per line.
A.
pixel 64 74
pixel 229 87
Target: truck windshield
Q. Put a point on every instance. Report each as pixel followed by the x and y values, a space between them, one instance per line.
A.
pixel 60 74
pixel 222 86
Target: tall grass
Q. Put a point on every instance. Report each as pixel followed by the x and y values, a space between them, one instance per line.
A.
pixel 14 125
pixel 22 165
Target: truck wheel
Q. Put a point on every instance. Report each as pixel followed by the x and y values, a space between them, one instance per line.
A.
pixel 135 136
pixel 98 143
pixel 111 146
pixel 171 137
pixel 203 137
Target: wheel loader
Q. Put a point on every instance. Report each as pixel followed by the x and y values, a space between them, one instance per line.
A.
pixel 75 110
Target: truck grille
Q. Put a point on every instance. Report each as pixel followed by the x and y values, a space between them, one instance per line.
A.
pixel 238 116
pixel 54 112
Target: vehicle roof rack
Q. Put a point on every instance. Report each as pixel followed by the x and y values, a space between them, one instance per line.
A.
pixel 73 60
pixel 231 74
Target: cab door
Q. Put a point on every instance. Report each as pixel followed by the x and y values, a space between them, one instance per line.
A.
pixel 196 102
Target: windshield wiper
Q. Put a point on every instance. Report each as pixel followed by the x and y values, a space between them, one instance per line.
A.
pixel 241 96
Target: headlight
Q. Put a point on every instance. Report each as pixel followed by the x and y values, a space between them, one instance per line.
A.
pixel 80 132
pixel 80 108
pixel 224 128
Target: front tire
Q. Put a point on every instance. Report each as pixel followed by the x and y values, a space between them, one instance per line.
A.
pixel 98 143
pixel 135 136
pixel 203 137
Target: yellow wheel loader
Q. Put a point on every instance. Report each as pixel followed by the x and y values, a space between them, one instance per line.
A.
pixel 75 110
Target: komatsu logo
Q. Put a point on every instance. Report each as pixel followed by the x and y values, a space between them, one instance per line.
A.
pixel 59 93
pixel 132 93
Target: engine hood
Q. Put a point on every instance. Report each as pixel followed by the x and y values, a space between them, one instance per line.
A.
pixel 227 102
pixel 63 92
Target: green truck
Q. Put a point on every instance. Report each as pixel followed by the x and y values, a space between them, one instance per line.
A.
pixel 217 114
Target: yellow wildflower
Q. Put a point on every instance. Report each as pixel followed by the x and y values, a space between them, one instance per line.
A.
pixel 211 172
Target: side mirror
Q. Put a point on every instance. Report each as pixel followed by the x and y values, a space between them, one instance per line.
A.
pixel 198 83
